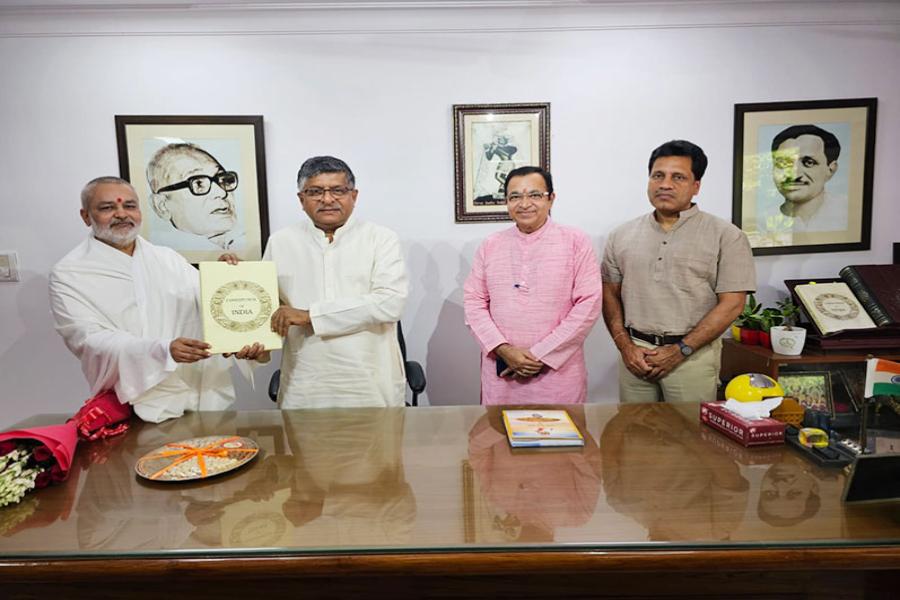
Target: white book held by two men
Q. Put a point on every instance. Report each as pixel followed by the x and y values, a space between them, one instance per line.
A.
pixel 237 302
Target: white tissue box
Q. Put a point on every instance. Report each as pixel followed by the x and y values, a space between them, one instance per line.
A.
pixel 749 432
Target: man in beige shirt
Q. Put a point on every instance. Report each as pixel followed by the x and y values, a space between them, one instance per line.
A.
pixel 673 281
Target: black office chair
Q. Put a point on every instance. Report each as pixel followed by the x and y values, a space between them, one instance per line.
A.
pixel 415 374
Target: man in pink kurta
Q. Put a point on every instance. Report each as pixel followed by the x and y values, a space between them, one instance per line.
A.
pixel 531 299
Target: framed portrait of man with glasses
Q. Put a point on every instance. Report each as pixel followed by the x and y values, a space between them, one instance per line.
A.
pixel 201 181
pixel 489 141
pixel 803 174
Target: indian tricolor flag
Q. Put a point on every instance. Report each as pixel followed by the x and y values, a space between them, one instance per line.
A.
pixel 882 378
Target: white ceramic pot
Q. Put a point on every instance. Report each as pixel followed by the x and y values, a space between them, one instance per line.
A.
pixel 788 341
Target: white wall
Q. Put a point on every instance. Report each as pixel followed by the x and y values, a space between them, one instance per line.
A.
pixel 376 88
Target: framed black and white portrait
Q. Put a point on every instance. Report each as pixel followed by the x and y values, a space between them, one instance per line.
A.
pixel 803 175
pixel 489 141
pixel 201 181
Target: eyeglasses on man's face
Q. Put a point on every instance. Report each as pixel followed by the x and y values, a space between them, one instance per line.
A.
pixel 317 193
pixel 201 184
pixel 533 196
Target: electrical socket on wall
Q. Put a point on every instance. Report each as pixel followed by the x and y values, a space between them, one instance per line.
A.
pixel 9 266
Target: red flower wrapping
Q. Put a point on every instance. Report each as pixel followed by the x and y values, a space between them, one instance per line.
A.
pixel 102 416
pixel 59 440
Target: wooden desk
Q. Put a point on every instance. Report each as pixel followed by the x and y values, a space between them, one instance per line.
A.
pixel 431 502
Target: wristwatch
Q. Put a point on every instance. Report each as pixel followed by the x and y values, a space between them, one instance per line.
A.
pixel 685 349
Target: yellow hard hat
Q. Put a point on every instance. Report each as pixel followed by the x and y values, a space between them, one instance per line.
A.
pixel 752 387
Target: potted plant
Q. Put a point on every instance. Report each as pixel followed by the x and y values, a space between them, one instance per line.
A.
pixel 788 338
pixel 769 318
pixel 746 327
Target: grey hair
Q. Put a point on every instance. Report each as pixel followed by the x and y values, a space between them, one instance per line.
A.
pixel 87 192
pixel 156 168
pixel 323 164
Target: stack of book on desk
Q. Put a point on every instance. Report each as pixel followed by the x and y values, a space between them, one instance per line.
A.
pixel 860 310
pixel 540 429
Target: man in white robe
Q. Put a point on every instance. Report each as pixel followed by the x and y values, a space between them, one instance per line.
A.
pixel 343 286
pixel 129 311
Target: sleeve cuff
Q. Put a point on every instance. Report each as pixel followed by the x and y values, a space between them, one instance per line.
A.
pixel 162 353
pixel 315 317
pixel 724 288
pixel 493 342
pixel 543 354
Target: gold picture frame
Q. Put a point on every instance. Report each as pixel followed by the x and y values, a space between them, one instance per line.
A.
pixel 489 141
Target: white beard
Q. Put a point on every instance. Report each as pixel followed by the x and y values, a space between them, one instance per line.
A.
pixel 114 238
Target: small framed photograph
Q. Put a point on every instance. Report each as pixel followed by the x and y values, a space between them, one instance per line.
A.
pixel 812 389
pixel 201 181
pixel 489 141
pixel 803 175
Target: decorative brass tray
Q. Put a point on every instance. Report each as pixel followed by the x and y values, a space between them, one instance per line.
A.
pixel 197 458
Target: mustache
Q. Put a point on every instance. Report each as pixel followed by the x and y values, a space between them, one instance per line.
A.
pixel 802 178
pixel 109 234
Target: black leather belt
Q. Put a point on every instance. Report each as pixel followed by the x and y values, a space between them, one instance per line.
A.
pixel 656 340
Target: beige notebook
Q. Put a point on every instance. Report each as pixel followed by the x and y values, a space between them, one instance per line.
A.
pixel 833 307
pixel 237 302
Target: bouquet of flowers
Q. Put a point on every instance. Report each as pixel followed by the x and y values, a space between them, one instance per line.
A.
pixel 37 457
pixel 34 458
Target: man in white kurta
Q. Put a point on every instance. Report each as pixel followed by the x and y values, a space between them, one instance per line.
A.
pixel 129 311
pixel 343 286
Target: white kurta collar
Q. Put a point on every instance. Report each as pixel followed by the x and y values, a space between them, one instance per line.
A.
pixel 319 236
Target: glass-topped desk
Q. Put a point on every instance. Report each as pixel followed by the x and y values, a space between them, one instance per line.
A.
pixel 432 501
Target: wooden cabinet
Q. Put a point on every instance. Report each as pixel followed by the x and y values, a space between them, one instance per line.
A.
pixel 739 358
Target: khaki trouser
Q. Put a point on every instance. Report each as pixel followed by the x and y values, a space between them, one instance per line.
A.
pixel 694 380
